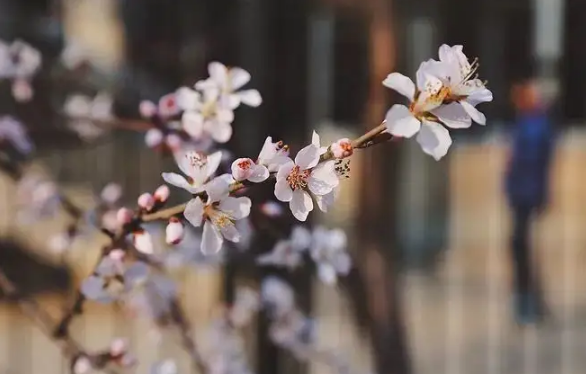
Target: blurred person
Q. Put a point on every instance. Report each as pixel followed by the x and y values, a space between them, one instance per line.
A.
pixel 526 181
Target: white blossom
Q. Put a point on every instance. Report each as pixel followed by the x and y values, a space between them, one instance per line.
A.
pixel 143 241
pixel 217 214
pixel 38 198
pixel 229 81
pixel 205 114
pixel 328 250
pixel 288 253
pixel 111 193
pixel 465 90
pixel 198 168
pixel 152 297
pixel 82 365
pixel 246 169
pixel 295 181
pixel 188 252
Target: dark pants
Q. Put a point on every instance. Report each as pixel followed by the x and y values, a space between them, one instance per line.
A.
pixel 523 276
pixel 526 287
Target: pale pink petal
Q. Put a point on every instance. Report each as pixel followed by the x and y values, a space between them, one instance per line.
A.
pixel 326 201
pixel 301 204
pixel 221 131
pixel 285 169
pixel 236 207
pixel 453 115
pixel 213 162
pixel 482 95
pixel 323 178
pixel 176 180
pixel 193 124
pixel 217 189
pixel 225 115
pixel 283 191
pixel 218 73
pixel 434 139
pixel 327 274
pixel 250 97
pixel 238 77
pixel 153 138
pixel 400 83
pixel 211 241
pixel 230 233
pixel 400 122
pixel 259 173
pixel 308 157
pixel 476 115
pixel 194 211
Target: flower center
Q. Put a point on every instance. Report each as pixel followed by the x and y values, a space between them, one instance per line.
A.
pixel 245 164
pixel 298 178
pixel 208 109
pixel 217 217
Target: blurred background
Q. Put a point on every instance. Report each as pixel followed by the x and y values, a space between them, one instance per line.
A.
pixel 430 292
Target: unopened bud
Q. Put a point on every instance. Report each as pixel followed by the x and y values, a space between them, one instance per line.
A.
pixel 174 142
pixel 174 231
pixel 22 90
pixel 162 193
pixel 124 216
pixel 147 109
pixel 143 242
pixel 342 148
pixel 146 201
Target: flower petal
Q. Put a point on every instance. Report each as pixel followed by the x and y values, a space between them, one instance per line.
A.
pixel 192 123
pixel 453 115
pixel 326 201
pixel 315 139
pixel 434 139
pixel 283 191
pixel 241 168
pixel 230 233
pixel 92 287
pixel 476 115
pixel 221 132
pixel 236 207
pixel 402 84
pixel 218 72
pixel 213 162
pixel 194 211
pixel 301 204
pixel 401 122
pixel 217 189
pixel 308 157
pixel 238 77
pixel 259 173
pixel 323 179
pixel 211 241
pixel 482 95
pixel 285 169
pixel 176 180
pixel 250 97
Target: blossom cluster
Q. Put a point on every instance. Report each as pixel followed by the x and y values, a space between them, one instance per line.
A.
pixel 192 123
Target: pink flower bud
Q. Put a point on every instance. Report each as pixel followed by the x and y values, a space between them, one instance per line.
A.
pixel 124 216
pixel 174 231
pixel 168 105
pixel 162 193
pixel 118 347
pixel 147 109
pixel 153 138
pixel 242 168
pixel 143 242
pixel 111 193
pixel 342 148
pixel 146 201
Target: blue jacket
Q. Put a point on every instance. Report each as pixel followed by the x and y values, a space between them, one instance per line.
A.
pixel 527 179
